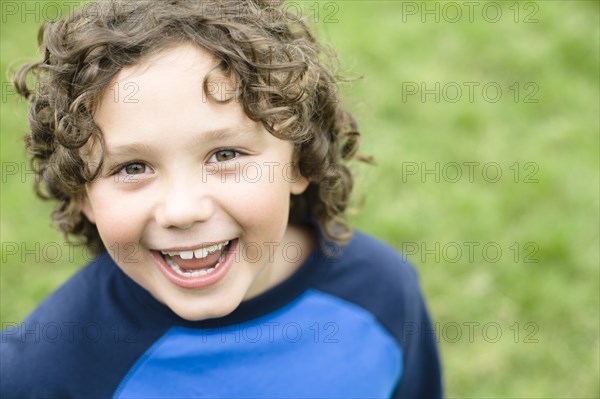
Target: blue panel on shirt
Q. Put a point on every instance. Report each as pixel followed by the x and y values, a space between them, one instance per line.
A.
pixel 317 346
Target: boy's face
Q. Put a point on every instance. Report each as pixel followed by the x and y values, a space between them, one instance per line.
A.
pixel 185 175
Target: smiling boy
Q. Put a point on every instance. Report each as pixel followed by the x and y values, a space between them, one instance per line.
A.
pixel 211 280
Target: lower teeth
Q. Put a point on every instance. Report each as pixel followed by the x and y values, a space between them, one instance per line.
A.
pixel 194 273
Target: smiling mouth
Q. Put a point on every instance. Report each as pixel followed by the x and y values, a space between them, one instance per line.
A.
pixel 198 262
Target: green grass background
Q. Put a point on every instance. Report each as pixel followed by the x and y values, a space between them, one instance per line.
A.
pixel 557 216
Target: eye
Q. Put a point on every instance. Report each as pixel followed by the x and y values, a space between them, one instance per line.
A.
pixel 134 168
pixel 225 155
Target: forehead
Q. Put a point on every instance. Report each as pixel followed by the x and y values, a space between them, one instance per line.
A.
pixel 191 63
pixel 181 56
pixel 181 65
pixel 166 92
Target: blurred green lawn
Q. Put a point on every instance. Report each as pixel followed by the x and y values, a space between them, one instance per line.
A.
pixel 520 323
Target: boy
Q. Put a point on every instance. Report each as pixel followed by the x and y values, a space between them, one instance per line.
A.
pixel 199 146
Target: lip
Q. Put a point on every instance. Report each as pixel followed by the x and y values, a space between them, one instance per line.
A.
pixel 199 281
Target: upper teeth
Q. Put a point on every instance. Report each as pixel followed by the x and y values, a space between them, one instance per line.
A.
pixel 198 253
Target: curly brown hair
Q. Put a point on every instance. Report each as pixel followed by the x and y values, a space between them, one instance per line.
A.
pixel 282 74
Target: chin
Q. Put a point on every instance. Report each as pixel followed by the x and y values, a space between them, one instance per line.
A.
pixel 197 313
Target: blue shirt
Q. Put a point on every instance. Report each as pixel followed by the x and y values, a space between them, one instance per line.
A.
pixel 353 325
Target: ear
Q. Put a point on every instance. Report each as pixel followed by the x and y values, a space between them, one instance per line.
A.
pixel 87 209
pixel 299 185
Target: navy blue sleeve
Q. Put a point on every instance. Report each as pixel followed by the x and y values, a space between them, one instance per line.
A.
pixel 422 376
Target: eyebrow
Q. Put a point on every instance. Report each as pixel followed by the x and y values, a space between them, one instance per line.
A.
pixel 204 138
pixel 128 149
pixel 224 133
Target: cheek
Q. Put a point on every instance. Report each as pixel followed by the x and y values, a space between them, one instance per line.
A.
pixel 263 205
pixel 119 224
pixel 114 227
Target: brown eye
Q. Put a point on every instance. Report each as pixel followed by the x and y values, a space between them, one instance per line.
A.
pixel 135 168
pixel 225 155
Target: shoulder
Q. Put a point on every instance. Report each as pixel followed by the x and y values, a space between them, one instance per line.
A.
pixel 375 276
pixel 37 353
pixel 378 254
pixel 75 299
pixel 371 260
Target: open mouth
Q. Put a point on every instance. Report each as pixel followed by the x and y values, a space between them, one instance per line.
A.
pixel 199 262
pixel 197 268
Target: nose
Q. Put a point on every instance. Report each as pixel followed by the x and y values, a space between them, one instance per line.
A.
pixel 183 204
